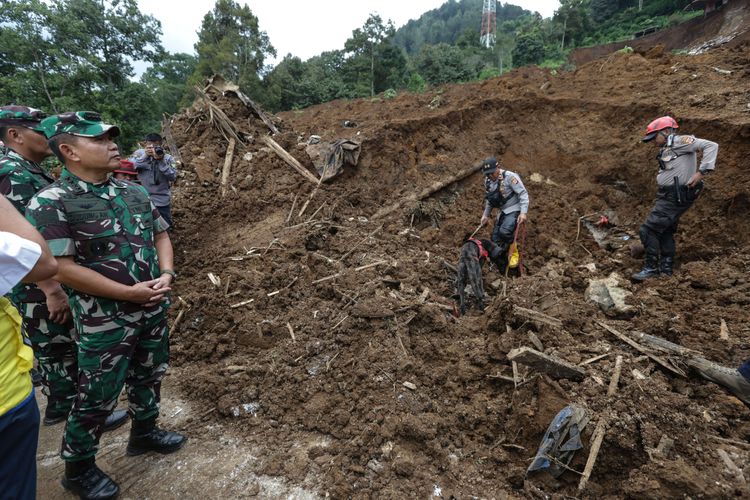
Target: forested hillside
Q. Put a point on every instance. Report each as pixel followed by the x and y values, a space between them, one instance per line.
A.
pixel 64 54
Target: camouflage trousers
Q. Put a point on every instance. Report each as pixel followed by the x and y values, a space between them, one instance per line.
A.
pixel 111 355
pixel 56 353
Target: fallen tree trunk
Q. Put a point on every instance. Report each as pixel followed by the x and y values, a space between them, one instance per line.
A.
pixel 432 189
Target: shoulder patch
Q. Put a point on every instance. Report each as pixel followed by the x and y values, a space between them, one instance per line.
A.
pixel 687 139
pixel 514 180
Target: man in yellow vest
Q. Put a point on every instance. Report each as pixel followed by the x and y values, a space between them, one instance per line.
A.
pixel 24 256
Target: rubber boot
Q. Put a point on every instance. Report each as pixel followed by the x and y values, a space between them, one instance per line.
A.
pixel 145 436
pixel 650 269
pixel 666 265
pixel 88 481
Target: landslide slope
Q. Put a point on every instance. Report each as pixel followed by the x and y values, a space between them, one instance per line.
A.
pixel 312 371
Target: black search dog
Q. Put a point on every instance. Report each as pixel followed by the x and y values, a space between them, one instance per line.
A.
pixel 474 253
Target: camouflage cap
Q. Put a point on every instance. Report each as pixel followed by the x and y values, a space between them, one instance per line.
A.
pixel 23 116
pixel 78 123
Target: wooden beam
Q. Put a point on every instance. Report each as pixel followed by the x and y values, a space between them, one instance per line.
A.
pixel 536 316
pixel 635 345
pixel 227 167
pixel 552 365
pixel 428 191
pixel 615 377
pixel 289 159
pixel 596 442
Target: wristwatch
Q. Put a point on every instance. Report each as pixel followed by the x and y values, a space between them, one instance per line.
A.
pixel 170 272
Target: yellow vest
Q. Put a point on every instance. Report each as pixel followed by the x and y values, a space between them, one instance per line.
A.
pixel 16 359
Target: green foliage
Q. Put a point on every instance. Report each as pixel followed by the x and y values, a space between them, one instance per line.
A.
pixel 373 62
pixel 416 83
pixel 389 94
pixel 489 72
pixel 442 63
pixel 63 55
pixel 529 49
pixel 230 43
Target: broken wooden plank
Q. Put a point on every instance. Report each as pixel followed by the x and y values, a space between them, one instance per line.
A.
pixel 535 340
pixel 536 316
pixel 594 359
pixel 289 159
pixel 596 443
pixel 663 344
pixel 723 330
pixel 635 345
pixel 227 167
pixel 546 363
pixel 615 377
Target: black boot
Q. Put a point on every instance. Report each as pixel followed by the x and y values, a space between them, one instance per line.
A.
pixel 666 265
pixel 115 419
pixel 650 269
pixel 145 436
pixel 88 481
pixel 53 417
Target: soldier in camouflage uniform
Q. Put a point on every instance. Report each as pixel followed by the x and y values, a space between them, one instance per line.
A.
pixel 115 255
pixel 44 308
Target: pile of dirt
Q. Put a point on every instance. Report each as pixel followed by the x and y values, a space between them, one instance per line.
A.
pixel 327 338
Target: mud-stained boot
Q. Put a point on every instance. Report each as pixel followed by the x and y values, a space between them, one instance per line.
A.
pixel 650 269
pixel 115 420
pixel 666 266
pixel 145 436
pixel 88 481
pixel 727 377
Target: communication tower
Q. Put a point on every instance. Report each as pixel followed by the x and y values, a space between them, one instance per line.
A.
pixel 489 24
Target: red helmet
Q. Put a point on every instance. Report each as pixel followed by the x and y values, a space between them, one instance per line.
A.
pixel 126 167
pixel 657 125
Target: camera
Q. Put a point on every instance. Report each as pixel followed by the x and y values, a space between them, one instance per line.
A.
pixel 159 151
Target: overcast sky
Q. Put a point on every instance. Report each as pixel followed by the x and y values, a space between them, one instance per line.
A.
pixel 301 27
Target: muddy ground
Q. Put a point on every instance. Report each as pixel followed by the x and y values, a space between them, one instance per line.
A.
pixel 305 384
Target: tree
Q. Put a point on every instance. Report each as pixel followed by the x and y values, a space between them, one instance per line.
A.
pixel 369 40
pixel 60 55
pixel 443 63
pixel 529 49
pixel 167 80
pixel 231 44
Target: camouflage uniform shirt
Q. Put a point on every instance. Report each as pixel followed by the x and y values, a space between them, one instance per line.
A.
pixel 106 227
pixel 20 179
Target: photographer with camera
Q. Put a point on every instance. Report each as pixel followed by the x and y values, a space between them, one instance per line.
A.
pixel 156 172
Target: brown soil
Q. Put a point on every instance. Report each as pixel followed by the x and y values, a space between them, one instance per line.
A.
pixel 329 403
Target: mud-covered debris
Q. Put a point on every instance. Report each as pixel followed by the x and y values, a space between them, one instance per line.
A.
pixel 607 294
pixel 560 442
